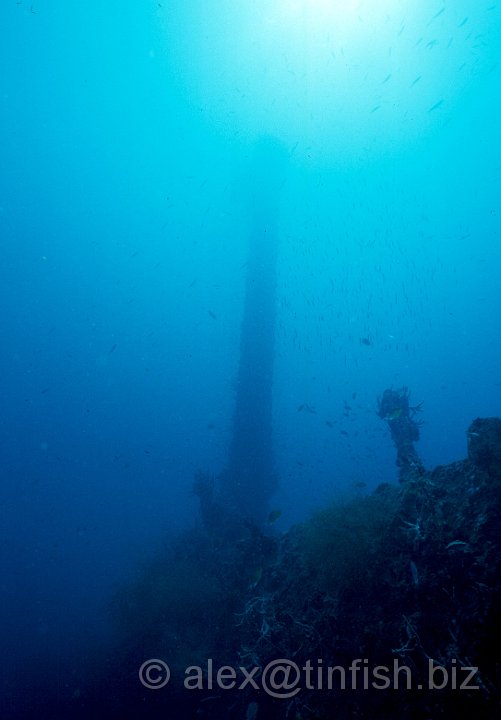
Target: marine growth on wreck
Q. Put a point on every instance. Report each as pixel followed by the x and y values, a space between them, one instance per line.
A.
pixel 387 605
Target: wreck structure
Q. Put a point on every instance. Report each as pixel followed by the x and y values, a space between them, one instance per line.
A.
pixel 395 409
pixel 249 479
pixel 405 580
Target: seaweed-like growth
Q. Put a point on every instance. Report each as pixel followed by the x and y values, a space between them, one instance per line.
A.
pixel 342 543
pixel 395 409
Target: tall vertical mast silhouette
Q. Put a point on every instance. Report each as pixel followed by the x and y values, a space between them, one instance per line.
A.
pixel 249 479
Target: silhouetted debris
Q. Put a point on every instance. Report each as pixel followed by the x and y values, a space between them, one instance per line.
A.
pixel 395 410
pixel 408 576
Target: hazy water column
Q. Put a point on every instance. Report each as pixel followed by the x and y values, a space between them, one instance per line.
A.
pixel 249 479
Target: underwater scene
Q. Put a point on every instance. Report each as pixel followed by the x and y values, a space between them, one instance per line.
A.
pixel 250 438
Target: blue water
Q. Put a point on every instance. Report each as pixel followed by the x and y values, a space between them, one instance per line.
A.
pixel 127 132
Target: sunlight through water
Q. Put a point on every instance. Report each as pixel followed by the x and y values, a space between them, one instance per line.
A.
pixel 334 74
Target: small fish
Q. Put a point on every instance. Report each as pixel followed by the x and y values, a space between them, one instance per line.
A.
pixel 366 341
pixel 213 315
pixel 415 82
pixel 273 516
pixel 462 24
pixel 436 106
pixel 308 408
pixel 375 108
pixel 329 423
pixel 437 15
pixel 112 348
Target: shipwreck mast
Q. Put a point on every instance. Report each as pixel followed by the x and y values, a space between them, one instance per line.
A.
pixel 249 479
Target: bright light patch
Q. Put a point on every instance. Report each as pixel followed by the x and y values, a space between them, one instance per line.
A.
pixel 324 8
pixel 342 76
pixel 340 15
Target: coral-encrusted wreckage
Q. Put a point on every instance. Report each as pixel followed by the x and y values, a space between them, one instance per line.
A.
pixel 406 579
pixel 408 576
